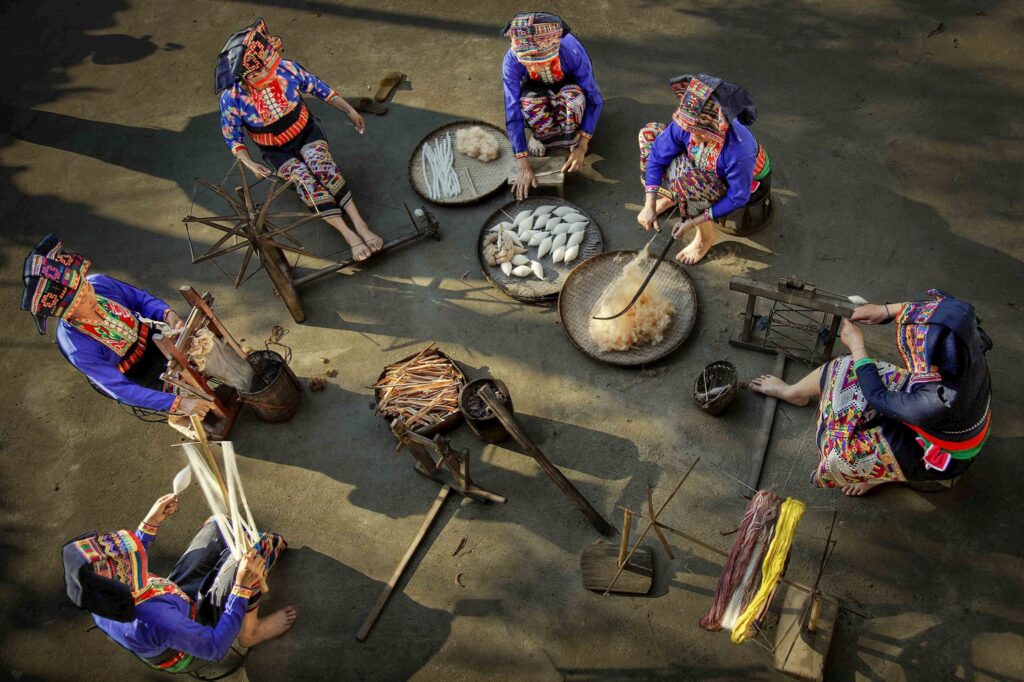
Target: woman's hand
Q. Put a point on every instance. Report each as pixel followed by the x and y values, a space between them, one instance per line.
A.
pixel 851 335
pixel 648 216
pixel 161 509
pixel 196 406
pixel 576 156
pixel 172 319
pixel 525 179
pixel 871 313
pixel 256 167
pixel 250 569
pixel 357 120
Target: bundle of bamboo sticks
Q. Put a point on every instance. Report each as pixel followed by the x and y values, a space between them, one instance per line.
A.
pixel 423 390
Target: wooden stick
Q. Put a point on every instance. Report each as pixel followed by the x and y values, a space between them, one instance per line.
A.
pixel 557 477
pixel 432 513
pixel 204 445
pixel 764 432
pixel 627 522
pixel 661 536
pixel 651 523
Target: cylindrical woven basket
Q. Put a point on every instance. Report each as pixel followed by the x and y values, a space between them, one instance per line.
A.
pixel 719 374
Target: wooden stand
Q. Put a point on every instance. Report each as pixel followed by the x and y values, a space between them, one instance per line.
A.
pixel 182 374
pixel 450 468
pixel 547 170
pixel 793 328
pixel 804 633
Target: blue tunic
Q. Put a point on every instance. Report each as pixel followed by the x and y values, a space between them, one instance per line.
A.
pixel 735 163
pixel 577 68
pixel 99 363
pixel 163 623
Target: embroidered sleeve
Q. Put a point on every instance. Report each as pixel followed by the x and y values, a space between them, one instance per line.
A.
pixel 669 144
pixel 231 122
pixel 511 77
pixel 310 84
pixel 146 533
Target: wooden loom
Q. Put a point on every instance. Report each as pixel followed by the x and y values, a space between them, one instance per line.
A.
pixel 182 374
pixel 252 226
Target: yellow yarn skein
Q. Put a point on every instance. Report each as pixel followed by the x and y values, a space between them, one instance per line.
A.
pixel 774 562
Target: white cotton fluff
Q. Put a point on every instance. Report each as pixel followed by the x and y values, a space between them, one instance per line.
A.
pixel 477 143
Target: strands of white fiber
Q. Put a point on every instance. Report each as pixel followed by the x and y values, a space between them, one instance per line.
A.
pixel 239 532
pixel 442 182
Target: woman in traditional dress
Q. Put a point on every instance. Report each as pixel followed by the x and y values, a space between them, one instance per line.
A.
pixel 706 161
pixel 550 89
pixel 105 328
pixel 195 614
pixel 261 93
pixel 878 423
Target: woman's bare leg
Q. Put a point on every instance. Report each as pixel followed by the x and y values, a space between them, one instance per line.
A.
pixel 255 629
pixel 800 393
pixel 707 235
pixel 374 242
pixel 862 488
pixel 360 250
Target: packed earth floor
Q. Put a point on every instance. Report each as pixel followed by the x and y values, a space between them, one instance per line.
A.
pixel 894 130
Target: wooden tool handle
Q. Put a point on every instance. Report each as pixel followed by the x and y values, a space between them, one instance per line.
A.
pixel 559 479
pixel 432 513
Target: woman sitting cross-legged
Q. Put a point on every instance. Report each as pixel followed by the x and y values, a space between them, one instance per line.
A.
pixel 878 423
pixel 706 161
pixel 194 614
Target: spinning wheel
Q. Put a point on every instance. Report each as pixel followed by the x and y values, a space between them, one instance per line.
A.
pixel 252 228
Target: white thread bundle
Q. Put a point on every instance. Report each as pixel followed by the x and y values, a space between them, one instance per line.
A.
pixel 239 532
pixel 442 182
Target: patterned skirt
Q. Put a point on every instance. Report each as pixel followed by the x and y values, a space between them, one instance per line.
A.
pixel 554 113
pixel 307 160
pixel 855 443
pixel 692 188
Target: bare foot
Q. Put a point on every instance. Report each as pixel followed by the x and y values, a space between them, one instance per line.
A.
pixel 274 625
pixel 862 488
pixel 361 252
pixel 695 251
pixel 370 238
pixel 769 384
pixel 535 147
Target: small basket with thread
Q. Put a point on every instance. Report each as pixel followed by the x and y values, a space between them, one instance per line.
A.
pixel 716 387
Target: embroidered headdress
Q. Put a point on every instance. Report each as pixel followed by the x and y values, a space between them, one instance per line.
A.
pixel 53 281
pixel 105 574
pixel 698 110
pixel 248 51
pixel 939 338
pixel 536 37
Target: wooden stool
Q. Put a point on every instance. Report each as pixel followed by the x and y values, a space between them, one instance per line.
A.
pixel 548 170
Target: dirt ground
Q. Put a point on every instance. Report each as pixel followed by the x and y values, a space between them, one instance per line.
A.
pixel 894 130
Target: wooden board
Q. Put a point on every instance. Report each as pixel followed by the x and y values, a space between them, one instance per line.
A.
pixel 799 653
pixel 600 562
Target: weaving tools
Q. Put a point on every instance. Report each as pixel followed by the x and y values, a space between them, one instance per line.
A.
pixel 636 296
pixel 224 495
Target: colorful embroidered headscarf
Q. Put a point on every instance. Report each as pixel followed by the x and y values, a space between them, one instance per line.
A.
pixel 698 110
pixel 53 281
pixel 248 51
pixel 939 339
pixel 106 573
pixel 536 37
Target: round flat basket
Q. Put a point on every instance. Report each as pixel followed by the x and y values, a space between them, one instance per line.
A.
pixel 477 179
pixel 588 282
pixel 449 422
pixel 529 289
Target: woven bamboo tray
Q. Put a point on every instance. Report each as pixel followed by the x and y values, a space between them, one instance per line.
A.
pixel 478 179
pixel 450 422
pixel 530 289
pixel 588 282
